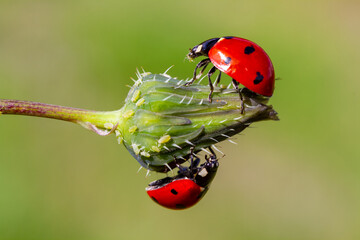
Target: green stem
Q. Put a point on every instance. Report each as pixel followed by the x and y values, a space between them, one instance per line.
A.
pixel 76 115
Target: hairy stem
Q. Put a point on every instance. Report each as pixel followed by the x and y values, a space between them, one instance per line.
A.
pixel 81 116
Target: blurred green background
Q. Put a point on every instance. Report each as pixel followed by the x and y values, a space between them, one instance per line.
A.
pixel 297 178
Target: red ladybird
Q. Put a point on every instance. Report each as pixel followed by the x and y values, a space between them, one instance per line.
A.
pixel 185 189
pixel 245 61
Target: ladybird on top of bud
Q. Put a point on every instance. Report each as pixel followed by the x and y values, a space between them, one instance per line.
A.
pixel 243 60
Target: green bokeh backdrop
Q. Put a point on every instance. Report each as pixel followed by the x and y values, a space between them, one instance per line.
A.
pixel 293 179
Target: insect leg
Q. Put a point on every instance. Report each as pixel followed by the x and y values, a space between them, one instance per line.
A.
pixel 211 72
pixel 217 80
pixel 202 63
pixel 236 86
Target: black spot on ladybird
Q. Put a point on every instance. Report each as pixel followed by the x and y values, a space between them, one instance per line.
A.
pixel 258 78
pixel 180 206
pixel 154 199
pixel 173 191
pixel 249 49
pixel 227 60
pixel 229 37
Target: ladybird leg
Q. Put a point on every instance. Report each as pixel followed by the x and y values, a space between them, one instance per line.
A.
pixel 212 156
pixel 217 80
pixel 203 68
pixel 203 62
pixel 212 151
pixel 193 163
pixel 182 170
pixel 192 155
pixel 211 72
pixel 196 162
pixel 236 86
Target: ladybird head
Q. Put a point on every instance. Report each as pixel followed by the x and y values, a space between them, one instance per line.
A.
pixel 201 49
pixel 207 171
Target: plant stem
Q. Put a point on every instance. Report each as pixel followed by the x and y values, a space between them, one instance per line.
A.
pixel 76 115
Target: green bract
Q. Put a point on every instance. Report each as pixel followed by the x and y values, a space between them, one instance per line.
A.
pixel 162 119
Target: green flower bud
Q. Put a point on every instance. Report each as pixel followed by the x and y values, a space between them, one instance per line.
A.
pixel 162 119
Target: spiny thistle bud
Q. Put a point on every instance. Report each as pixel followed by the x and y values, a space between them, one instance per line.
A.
pixel 162 119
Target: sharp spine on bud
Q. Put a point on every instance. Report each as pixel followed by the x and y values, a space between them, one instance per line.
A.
pixel 139 169
pixel 190 143
pixel 201 101
pixel 223 121
pixel 138 82
pixel 167 165
pixel 147 173
pixel 182 99
pixel 179 82
pixel 232 142
pixel 175 145
pixel 168 97
pixel 192 97
pixel 210 122
pixel 168 69
pixel 214 139
pixel 238 118
pixel 213 146
pixel 205 150
pixel 201 79
pixel 224 135
pixel 166 148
